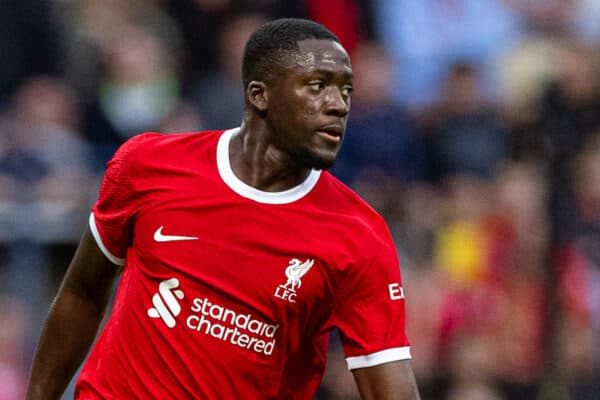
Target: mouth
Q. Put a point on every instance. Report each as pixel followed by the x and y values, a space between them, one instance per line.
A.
pixel 331 133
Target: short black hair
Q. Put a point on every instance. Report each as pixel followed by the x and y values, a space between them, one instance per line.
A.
pixel 265 46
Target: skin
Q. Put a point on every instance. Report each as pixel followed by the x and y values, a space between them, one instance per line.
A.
pixel 67 336
pixel 279 141
pixel 292 124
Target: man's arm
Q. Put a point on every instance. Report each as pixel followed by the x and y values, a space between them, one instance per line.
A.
pixel 389 381
pixel 72 321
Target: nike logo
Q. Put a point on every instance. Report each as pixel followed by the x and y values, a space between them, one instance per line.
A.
pixel 159 237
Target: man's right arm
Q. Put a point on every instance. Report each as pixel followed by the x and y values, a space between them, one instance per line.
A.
pixel 72 321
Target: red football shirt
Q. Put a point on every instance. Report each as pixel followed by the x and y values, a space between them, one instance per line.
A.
pixel 228 291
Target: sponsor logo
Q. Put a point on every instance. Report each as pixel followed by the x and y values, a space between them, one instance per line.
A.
pixel 211 319
pixel 166 305
pixel 239 329
pixel 396 291
pixel 295 270
pixel 160 237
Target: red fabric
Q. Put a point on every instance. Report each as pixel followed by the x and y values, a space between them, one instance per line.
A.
pixel 219 265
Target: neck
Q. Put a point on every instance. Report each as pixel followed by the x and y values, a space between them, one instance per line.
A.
pixel 256 161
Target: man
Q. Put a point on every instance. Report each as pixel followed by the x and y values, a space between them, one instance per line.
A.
pixel 240 253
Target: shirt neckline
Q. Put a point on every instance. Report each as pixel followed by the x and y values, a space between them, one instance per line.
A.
pixel 252 193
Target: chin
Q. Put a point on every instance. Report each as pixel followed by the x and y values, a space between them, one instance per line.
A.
pixel 307 158
pixel 324 164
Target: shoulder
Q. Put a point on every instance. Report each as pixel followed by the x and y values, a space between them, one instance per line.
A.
pixel 150 146
pixel 345 197
pixel 343 200
pixel 149 141
pixel 151 151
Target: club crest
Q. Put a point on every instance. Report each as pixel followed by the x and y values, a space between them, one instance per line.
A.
pixel 295 270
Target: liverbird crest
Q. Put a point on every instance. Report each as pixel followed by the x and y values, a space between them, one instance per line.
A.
pixel 295 270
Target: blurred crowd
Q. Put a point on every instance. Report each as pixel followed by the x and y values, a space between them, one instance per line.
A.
pixel 474 130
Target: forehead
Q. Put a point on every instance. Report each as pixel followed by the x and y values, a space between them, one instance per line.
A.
pixel 319 54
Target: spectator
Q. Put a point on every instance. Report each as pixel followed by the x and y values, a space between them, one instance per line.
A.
pixel 581 269
pixel 140 87
pixel 426 37
pixel 225 110
pixel 44 163
pixel 44 199
pixel 472 369
pixel 345 18
pixel 14 352
pixel 569 108
pixel 380 135
pixel 88 27
pixel 28 43
pixel 467 135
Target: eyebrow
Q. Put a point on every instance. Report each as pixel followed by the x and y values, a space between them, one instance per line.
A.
pixel 349 75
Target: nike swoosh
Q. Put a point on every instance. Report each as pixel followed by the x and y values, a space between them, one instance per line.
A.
pixel 159 237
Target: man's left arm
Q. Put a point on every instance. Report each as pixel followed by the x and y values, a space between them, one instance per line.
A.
pixel 389 381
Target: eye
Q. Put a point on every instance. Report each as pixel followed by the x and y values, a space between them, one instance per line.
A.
pixel 347 90
pixel 316 86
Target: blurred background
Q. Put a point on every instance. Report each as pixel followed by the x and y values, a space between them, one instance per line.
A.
pixel 475 131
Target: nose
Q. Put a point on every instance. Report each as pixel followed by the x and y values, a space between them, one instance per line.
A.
pixel 335 104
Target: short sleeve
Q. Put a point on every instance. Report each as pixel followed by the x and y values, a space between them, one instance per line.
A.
pixel 370 312
pixel 111 220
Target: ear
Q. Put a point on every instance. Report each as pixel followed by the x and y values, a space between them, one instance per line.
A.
pixel 258 95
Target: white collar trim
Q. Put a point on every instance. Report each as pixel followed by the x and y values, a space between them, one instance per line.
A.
pixel 249 192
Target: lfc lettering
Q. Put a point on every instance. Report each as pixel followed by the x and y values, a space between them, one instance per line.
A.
pixel 284 294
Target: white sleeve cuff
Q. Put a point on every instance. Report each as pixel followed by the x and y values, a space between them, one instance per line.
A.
pixel 114 259
pixel 380 357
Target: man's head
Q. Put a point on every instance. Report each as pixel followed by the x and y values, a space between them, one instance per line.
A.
pixel 267 45
pixel 298 80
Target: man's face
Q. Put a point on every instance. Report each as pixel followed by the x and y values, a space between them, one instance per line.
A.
pixel 309 103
